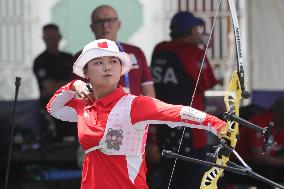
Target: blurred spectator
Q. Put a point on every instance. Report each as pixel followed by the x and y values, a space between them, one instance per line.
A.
pixel 105 24
pixel 250 145
pixel 53 68
pixel 270 164
pixel 175 67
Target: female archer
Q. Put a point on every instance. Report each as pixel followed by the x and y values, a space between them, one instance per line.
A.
pixel 112 124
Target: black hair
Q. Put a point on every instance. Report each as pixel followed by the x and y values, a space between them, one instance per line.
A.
pixel 50 26
pixel 85 69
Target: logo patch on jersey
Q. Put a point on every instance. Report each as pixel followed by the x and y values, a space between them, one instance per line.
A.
pixel 114 139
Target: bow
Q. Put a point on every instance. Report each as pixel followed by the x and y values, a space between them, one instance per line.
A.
pixel 233 95
pixel 232 98
pixel 228 142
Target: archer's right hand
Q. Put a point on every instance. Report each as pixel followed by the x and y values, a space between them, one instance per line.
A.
pixel 81 88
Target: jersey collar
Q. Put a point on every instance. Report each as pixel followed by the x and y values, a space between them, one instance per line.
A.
pixel 110 98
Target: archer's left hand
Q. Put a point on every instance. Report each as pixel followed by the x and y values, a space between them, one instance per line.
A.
pixel 222 133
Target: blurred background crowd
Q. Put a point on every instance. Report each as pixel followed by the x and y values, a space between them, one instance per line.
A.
pixel 166 40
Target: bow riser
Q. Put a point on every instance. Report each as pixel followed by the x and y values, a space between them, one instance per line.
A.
pixel 232 100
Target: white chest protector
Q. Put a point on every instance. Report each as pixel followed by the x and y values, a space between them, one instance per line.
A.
pixel 120 136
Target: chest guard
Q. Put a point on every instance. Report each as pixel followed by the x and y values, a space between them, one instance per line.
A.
pixel 120 136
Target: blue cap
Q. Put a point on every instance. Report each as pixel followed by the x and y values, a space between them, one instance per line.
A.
pixel 183 21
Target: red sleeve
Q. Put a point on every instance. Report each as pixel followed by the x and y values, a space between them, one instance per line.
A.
pixel 244 145
pixel 256 138
pixel 208 78
pixel 192 68
pixel 153 111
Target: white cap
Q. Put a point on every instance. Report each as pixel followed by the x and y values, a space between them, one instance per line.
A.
pixel 100 48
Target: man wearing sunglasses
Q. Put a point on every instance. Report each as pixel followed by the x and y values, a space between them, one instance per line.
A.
pixel 105 24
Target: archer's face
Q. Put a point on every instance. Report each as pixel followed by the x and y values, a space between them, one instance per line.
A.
pixel 104 71
pixel 105 23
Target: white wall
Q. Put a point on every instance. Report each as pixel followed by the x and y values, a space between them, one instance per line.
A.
pixel 155 28
pixel 266 31
pixel 21 23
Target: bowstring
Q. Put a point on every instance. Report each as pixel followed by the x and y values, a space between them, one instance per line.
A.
pixel 197 81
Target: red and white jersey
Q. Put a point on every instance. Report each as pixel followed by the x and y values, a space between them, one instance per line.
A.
pixel 100 122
